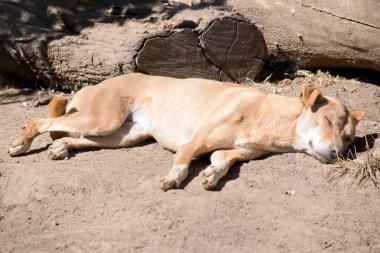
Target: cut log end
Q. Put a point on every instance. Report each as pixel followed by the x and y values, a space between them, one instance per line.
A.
pixel 229 50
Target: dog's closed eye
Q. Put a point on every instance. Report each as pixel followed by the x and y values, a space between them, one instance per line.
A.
pixel 329 122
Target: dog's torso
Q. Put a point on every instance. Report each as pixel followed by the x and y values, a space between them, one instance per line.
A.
pixel 172 110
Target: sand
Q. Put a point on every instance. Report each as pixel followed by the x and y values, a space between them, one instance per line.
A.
pixel 108 200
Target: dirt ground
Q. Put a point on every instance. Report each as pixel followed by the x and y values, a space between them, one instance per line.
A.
pixel 108 200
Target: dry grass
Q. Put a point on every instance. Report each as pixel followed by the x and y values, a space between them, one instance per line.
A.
pixel 271 84
pixel 320 78
pixel 365 167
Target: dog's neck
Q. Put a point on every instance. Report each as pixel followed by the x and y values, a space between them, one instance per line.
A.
pixel 277 132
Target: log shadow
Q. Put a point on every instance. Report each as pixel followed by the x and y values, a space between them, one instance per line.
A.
pixel 16 97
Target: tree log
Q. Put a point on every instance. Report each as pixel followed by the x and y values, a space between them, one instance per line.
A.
pixel 70 44
pixel 318 33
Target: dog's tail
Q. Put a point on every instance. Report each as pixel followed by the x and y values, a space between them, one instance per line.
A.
pixel 57 108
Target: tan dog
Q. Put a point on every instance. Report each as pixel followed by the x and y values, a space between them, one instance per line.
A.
pixel 193 117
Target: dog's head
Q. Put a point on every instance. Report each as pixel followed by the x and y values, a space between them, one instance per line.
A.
pixel 325 127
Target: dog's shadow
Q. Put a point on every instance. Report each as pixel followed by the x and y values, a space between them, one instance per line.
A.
pixel 36 150
pixel 74 152
pixel 233 173
pixel 197 165
pixel 361 144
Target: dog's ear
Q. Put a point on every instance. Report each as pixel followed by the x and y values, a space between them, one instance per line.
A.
pixel 357 116
pixel 311 96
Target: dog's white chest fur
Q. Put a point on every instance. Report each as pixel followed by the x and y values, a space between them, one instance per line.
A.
pixel 170 136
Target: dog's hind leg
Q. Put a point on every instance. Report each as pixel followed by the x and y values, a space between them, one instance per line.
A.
pixel 128 135
pixel 57 108
pixel 83 124
pixel 221 161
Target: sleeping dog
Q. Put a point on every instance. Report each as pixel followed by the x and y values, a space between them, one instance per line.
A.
pixel 193 117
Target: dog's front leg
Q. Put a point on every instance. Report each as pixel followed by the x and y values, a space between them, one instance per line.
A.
pixel 222 160
pixel 181 163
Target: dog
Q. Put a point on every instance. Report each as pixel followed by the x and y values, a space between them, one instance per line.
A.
pixel 193 117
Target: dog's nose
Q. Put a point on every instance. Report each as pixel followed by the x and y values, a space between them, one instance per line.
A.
pixel 334 153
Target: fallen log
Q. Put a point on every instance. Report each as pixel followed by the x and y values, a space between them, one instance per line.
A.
pixel 70 44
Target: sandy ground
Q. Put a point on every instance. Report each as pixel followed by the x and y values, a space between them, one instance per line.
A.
pixel 108 200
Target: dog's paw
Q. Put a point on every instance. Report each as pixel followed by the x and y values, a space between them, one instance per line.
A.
pixel 19 147
pixel 58 151
pixel 168 184
pixel 208 179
